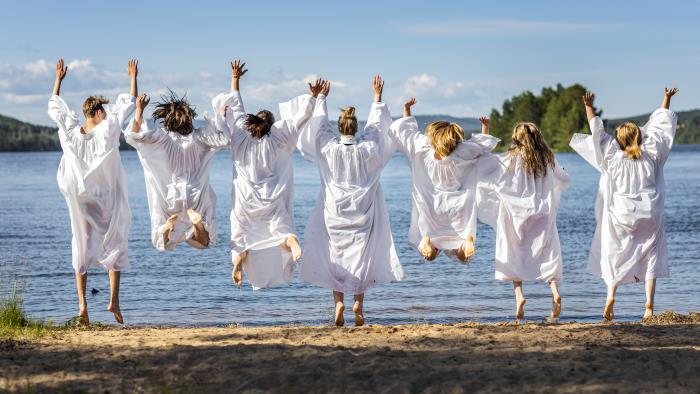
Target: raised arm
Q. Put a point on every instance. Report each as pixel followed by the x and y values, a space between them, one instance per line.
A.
pixel 378 114
pixel 237 71
pixel 405 132
pixel 407 107
pixel 141 103
pixel 318 131
pixel 484 125
pixel 61 71
pixel 666 103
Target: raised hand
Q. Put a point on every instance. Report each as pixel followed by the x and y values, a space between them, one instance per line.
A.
pixel 588 99
pixel 238 69
pixel 667 97
pixel 407 106
pixel 142 101
pixel 61 71
pixel 378 87
pixel 133 70
pixel 316 87
pixel 325 88
pixel 484 124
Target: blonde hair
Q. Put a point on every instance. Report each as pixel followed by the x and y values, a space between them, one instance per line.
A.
pixel 347 122
pixel 528 144
pixel 629 137
pixel 444 136
pixel 93 104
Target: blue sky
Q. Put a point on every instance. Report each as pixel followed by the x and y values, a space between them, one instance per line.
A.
pixel 457 58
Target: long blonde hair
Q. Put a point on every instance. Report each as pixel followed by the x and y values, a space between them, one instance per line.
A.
pixel 444 136
pixel 528 144
pixel 347 122
pixel 629 137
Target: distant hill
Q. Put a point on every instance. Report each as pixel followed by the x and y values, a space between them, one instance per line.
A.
pixel 18 136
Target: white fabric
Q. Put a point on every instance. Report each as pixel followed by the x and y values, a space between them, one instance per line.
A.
pixel 443 191
pixel 348 241
pixel 176 168
pixel 262 211
pixel 92 180
pixel 522 210
pixel 629 244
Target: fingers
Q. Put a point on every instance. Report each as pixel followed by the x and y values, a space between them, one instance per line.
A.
pixel 484 120
pixel 410 102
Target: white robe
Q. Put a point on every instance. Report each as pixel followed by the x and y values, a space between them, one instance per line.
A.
pixel 443 191
pixel 522 210
pixel 348 246
pixel 262 210
pixel 629 244
pixel 92 180
pixel 176 168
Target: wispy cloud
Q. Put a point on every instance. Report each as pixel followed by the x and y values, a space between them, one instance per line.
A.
pixel 493 27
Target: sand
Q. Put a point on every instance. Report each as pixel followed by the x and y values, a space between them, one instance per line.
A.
pixel 469 357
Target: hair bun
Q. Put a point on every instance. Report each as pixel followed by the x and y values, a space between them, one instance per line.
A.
pixel 347 112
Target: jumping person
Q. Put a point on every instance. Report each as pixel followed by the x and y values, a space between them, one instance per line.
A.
pixel 629 244
pixel 176 159
pixel 518 195
pixel 92 180
pixel 349 246
pixel 443 175
pixel 264 243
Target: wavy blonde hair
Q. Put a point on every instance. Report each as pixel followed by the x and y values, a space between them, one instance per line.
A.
pixel 529 144
pixel 347 122
pixel 629 136
pixel 444 136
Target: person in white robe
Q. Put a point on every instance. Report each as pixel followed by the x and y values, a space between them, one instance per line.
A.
pixel 629 244
pixel 264 243
pixel 92 180
pixel 348 242
pixel 519 193
pixel 443 183
pixel 176 159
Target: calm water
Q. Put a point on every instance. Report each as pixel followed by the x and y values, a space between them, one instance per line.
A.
pixel 193 287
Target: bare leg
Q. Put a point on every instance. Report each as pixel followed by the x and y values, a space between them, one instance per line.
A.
pixel 466 252
pixel 114 279
pixel 201 235
pixel 427 249
pixel 357 308
pixel 608 313
pixel 519 300
pixel 81 285
pixel 237 274
pixel 292 243
pixel 339 308
pixel 650 286
pixel 556 300
pixel 170 226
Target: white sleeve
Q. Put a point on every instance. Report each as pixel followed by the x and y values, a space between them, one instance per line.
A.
pixel 377 130
pixel 317 132
pixel 234 102
pixel 561 177
pixel 659 132
pixel 478 145
pixel 65 119
pixel 119 112
pixel 147 134
pixel 296 113
pixel 597 147
pixel 406 135
pixel 214 134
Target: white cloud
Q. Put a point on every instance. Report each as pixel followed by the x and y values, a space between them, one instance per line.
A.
pixel 417 84
pixel 493 27
pixel 23 98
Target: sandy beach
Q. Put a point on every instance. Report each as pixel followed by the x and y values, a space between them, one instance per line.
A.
pixel 570 357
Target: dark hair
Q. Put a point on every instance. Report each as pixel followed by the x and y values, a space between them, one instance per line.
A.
pixel 176 113
pixel 259 125
pixel 93 104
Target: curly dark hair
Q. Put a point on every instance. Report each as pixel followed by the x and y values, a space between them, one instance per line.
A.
pixel 176 113
pixel 259 125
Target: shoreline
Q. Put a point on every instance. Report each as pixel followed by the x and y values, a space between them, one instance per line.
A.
pixel 661 355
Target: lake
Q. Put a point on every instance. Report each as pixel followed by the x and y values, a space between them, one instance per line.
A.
pixel 191 287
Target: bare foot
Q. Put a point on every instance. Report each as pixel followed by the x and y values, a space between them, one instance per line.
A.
pixel 292 244
pixel 339 318
pixel 608 311
pixel 194 216
pixel 117 313
pixel 83 318
pixel 556 307
pixel 466 252
pixel 359 315
pixel 648 311
pixel 427 249
pixel 169 226
pixel 520 309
